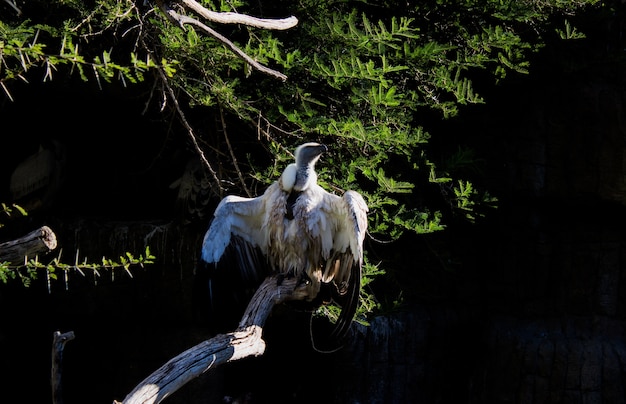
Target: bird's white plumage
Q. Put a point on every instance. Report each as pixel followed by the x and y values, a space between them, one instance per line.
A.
pixel 299 228
pixel 288 179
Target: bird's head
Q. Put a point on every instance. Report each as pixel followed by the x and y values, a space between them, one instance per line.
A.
pixel 307 155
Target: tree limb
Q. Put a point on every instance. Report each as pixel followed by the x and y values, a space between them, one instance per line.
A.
pixel 36 242
pixel 236 18
pixel 229 18
pixel 243 342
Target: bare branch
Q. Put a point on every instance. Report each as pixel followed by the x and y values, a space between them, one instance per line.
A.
pixel 18 11
pixel 245 341
pixel 191 133
pixel 236 18
pixel 232 154
pixel 183 19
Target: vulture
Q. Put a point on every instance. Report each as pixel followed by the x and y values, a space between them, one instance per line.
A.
pixel 294 229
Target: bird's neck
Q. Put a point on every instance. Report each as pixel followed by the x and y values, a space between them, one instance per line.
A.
pixel 291 201
pixel 305 178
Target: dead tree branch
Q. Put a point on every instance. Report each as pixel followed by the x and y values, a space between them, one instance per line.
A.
pixel 243 342
pixel 236 18
pixel 36 242
pixel 229 18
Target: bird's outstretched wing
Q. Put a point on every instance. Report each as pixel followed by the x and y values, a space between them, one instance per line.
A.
pixel 233 258
pixel 342 274
pixel 235 216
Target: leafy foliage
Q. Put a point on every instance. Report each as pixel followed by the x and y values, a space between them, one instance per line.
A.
pixel 366 78
pixel 33 267
pixel 27 45
pixel 363 79
pixel 360 78
pixel 11 210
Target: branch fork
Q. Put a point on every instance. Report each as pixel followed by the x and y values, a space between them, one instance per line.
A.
pixel 244 342
pixel 229 18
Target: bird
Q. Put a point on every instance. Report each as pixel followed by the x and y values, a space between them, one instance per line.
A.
pixel 294 229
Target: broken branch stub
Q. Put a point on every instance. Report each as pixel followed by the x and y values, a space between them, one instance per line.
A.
pixel 39 241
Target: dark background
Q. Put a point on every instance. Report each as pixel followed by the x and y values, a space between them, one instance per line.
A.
pixel 526 306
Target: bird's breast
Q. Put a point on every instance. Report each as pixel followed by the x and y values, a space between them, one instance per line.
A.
pixel 292 247
pixel 290 204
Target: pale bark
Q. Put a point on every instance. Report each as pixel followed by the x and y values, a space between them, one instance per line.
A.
pixel 236 18
pixel 244 342
pixel 229 18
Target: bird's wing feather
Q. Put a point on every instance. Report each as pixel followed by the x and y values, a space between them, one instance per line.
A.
pixel 349 225
pixel 357 211
pixel 233 257
pixel 235 216
pixel 348 217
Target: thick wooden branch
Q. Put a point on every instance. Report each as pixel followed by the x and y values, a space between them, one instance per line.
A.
pixel 39 241
pixel 245 341
pixel 236 18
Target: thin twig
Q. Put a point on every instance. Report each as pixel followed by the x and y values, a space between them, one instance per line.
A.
pixel 14 6
pixel 191 133
pixel 183 19
pixel 232 153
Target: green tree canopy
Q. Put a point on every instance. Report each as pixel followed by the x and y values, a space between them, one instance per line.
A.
pixel 363 77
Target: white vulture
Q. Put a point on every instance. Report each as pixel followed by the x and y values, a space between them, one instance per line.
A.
pixel 295 229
